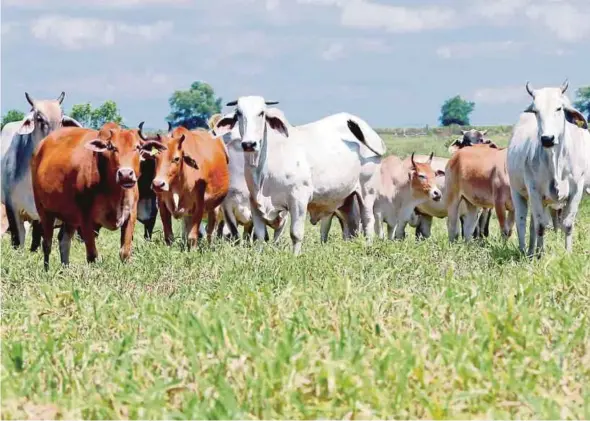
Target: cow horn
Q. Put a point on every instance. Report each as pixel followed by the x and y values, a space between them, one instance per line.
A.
pixel 271 102
pixel 61 97
pixel 430 157
pixel 232 103
pixel 140 131
pixel 29 99
pixel 564 86
pixel 169 127
pixel 529 89
pixel 413 163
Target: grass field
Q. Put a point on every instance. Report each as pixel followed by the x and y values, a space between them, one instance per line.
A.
pixel 394 330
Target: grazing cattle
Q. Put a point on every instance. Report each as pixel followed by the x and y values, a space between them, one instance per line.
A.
pixel 19 141
pixel 548 160
pixel 87 179
pixel 313 167
pixel 192 179
pixel 147 207
pixel 477 177
pixel 402 186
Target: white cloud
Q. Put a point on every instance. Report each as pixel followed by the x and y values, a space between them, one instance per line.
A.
pixel 9 27
pixel 77 33
pixel 498 10
pixel 334 51
pixel 364 14
pixel 481 49
pixel 98 4
pixel 567 22
pixel 501 95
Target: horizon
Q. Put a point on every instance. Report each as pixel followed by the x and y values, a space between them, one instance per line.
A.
pixel 392 63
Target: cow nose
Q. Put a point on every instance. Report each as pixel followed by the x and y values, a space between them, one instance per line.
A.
pixel 126 177
pixel 436 195
pixel 159 185
pixel 548 141
pixel 248 146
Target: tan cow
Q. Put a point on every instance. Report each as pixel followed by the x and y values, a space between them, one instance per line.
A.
pixel 478 177
pixel 402 186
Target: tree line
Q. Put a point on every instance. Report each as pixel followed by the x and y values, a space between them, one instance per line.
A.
pixel 192 108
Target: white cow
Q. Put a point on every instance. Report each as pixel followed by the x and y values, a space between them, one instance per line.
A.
pixel 548 158
pixel 16 191
pixel 313 167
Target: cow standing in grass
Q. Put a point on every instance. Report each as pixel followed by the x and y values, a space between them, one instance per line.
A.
pixel 548 164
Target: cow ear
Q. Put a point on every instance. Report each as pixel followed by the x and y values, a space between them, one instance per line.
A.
pixel 455 146
pixel 68 121
pixel 277 123
pixel 575 117
pixel 28 125
pixel 190 162
pixel 439 173
pixel 97 145
pixel 530 109
pixel 226 122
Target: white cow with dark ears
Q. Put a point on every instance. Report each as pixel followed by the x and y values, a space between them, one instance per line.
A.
pixel 310 168
pixel 548 160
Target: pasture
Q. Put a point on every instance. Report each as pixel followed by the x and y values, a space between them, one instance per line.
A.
pixel 400 329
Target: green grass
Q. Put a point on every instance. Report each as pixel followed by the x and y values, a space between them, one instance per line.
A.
pixel 393 330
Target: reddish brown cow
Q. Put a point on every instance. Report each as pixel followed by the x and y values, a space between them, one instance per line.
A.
pixel 478 176
pixel 192 178
pixel 87 179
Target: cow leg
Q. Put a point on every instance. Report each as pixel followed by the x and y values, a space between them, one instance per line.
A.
pixel 279 230
pixel 555 218
pixel 16 226
pixel 297 211
pixel 520 212
pixel 47 222
pixel 453 215
pixel 211 223
pixel 166 218
pixel 485 222
pixel 87 228
pixel 148 228
pixel 368 217
pixel 470 221
pixel 569 215
pixel 424 228
pixel 65 235
pixel 127 237
pixel 247 234
pixel 509 223
pixel 378 225
pixel 539 225
pixel 36 234
pixel 325 228
pixel 194 227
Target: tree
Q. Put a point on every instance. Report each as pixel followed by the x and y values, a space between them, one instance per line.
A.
pixel 583 100
pixel 456 110
pixel 97 117
pixel 12 115
pixel 192 108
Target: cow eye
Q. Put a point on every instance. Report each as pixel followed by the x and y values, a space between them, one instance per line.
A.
pixel 559 109
pixel 261 114
pixel 421 176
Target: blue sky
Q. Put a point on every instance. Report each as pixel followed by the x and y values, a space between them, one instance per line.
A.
pixel 393 62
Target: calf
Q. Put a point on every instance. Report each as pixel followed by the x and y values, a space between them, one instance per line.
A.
pixel 192 178
pixel 548 164
pixel 87 179
pixel 402 186
pixel 477 176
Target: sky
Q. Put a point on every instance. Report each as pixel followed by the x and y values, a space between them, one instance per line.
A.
pixel 391 62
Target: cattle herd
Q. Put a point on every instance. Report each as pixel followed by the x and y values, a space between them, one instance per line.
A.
pixel 252 169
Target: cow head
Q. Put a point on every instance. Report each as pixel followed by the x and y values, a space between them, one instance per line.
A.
pixel 253 118
pixel 552 109
pixel 470 137
pixel 120 149
pixel 423 179
pixel 46 116
pixel 169 153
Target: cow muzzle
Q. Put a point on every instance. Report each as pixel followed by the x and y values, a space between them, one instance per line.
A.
pixel 249 146
pixel 159 185
pixel 548 141
pixel 435 195
pixel 126 178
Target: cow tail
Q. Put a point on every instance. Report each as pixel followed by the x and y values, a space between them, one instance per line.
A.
pixel 355 129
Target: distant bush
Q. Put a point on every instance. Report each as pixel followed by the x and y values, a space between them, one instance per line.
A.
pixel 444 132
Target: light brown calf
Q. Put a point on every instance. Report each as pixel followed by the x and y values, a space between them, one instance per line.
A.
pixel 192 178
pixel 478 176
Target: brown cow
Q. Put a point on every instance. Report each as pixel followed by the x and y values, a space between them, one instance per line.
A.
pixel 478 176
pixel 87 179
pixel 192 178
